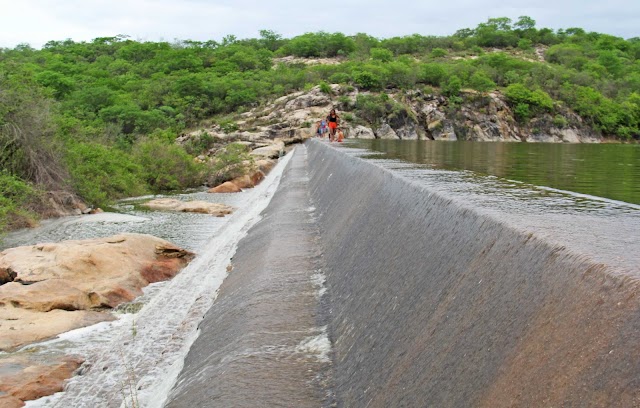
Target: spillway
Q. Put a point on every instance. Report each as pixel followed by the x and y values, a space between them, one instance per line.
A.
pixel 366 285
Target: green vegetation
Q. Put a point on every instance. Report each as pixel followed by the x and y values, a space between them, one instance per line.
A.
pixel 99 118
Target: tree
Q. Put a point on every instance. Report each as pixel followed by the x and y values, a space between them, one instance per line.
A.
pixel 525 23
pixel 270 40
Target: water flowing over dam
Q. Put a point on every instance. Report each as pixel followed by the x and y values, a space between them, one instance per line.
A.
pixel 370 284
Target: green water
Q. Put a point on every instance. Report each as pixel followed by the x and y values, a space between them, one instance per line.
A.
pixel 604 170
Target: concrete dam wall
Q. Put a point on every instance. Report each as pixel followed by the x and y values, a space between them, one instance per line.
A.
pixel 427 302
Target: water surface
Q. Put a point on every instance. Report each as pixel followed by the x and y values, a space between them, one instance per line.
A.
pixel 604 170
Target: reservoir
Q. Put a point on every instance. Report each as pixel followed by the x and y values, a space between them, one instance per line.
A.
pixel 604 170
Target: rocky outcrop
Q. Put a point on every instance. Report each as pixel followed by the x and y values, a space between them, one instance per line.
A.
pixel 386 132
pixel 60 287
pixel 265 165
pixel 249 180
pixel 473 116
pixel 362 132
pixel 272 151
pixel 200 207
pixel 22 379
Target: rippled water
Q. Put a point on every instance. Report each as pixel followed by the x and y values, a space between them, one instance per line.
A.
pixel 555 212
pixel 604 170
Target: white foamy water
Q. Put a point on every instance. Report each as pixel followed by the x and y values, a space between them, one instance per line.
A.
pixel 318 346
pixel 139 356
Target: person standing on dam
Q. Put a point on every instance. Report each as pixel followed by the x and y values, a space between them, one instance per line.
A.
pixel 333 120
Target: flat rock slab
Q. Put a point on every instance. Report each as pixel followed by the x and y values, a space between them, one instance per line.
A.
pixel 22 379
pixel 201 207
pixel 55 288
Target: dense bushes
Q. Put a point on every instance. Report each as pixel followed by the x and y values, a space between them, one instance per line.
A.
pixel 115 104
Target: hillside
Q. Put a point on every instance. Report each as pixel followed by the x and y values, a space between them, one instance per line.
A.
pixel 96 121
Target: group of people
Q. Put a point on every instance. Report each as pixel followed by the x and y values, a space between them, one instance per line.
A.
pixel 330 125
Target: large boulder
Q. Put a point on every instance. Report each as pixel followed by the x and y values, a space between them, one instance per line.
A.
pixel 56 287
pixel 22 379
pixel 45 296
pixel 272 151
pixel 249 180
pixel 362 132
pixel 386 132
pixel 20 327
pixel 201 207
pixel 226 187
pixel 265 165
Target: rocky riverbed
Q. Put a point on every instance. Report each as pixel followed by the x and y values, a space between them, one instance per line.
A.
pixel 51 285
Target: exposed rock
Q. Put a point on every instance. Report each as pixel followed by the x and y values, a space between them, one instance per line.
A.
pixel 20 327
pixel 9 401
pixel 25 380
pixel 408 132
pixel 290 59
pixel 273 151
pixel 265 165
pixel 385 132
pixel 6 275
pixel 70 277
pixel 362 132
pixel 314 97
pixel 201 207
pixel 249 180
pixel 444 132
pixel 44 296
pixel 226 187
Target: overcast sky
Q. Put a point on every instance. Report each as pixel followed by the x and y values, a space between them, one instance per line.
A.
pixel 37 21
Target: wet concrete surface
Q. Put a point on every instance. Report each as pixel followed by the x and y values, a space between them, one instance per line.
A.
pixel 264 341
pixel 438 302
pixel 427 298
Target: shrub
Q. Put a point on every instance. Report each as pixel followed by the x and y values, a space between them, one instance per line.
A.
pixel 525 44
pixel 228 126
pixel 537 100
pixel 229 163
pixel 438 53
pixel 452 88
pixel 560 121
pixel 481 82
pixel 325 88
pixel 200 144
pixel 381 54
pixel 370 108
pixel 522 112
pixel 339 78
pixel 101 174
pixel 15 198
pixel 166 166
pixel 432 74
pixel 367 80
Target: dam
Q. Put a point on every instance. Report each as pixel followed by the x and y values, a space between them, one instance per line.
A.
pixel 375 284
